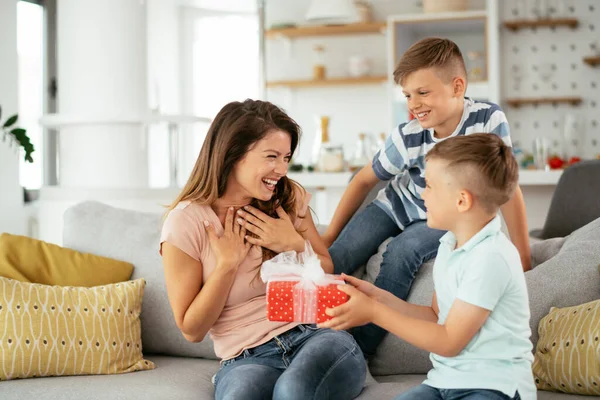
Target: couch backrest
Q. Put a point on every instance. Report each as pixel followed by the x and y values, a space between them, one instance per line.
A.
pixel 134 237
pixel 575 200
pixel 567 275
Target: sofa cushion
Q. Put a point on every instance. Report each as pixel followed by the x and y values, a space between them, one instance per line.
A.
pixel 542 251
pixel 569 278
pixel 566 357
pixel 29 260
pixel 174 378
pixel 134 237
pixel 65 330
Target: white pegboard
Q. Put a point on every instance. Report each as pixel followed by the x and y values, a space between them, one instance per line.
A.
pixel 548 62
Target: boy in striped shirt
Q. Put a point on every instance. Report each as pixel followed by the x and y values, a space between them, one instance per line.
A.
pixel 433 78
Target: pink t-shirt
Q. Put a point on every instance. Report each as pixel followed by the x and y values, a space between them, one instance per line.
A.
pixel 243 322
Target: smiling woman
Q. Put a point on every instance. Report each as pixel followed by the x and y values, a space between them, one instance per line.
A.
pixel 211 262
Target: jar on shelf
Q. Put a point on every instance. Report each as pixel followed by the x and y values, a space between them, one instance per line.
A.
pixel 319 71
pixel 363 11
pixel 360 157
pixel 331 158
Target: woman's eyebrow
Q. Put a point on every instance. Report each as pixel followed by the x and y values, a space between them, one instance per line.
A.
pixel 274 151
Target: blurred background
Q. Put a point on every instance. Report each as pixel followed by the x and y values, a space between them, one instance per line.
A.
pixel 116 96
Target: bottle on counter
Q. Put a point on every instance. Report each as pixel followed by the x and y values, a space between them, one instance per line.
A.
pixel 326 156
pixel 379 142
pixel 360 157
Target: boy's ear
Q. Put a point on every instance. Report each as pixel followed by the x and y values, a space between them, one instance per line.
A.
pixel 459 86
pixel 465 201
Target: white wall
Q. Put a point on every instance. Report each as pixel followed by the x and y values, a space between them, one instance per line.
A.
pixel 11 195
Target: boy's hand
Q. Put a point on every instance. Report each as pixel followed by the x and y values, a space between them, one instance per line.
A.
pixel 367 288
pixel 357 311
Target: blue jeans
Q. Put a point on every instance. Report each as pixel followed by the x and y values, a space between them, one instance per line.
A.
pixel 302 363
pixel 425 392
pixel 409 249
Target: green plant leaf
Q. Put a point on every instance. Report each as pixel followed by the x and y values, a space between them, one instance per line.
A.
pixel 18 131
pixel 11 121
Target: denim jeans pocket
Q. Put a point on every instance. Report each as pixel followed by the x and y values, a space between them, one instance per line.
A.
pixel 311 327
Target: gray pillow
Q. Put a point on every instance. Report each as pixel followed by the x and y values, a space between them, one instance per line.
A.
pixel 542 251
pixel 569 278
pixel 134 237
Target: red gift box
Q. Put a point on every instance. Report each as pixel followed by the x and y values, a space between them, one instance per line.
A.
pixel 294 300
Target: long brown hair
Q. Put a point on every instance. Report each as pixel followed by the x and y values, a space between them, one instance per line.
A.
pixel 234 130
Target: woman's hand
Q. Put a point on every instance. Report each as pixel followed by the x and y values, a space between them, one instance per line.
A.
pixel 276 234
pixel 231 248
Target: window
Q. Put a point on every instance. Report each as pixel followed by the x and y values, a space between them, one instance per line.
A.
pixel 30 50
pixel 220 64
pixel 225 61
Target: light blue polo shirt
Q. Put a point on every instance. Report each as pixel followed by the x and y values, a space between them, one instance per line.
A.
pixel 486 272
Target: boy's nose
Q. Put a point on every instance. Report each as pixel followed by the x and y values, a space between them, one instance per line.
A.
pixel 414 104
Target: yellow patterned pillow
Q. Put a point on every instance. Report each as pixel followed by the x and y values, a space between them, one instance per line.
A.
pixel 567 357
pixel 54 330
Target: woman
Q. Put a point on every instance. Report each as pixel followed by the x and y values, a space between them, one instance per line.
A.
pixel 238 209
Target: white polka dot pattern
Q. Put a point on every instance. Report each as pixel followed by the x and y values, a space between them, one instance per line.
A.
pixel 291 301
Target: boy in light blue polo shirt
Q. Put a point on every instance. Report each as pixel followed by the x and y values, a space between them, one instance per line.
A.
pixel 477 327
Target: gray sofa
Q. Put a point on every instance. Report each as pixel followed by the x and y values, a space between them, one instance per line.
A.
pixel 565 274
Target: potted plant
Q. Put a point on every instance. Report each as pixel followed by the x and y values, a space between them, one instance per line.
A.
pixel 16 134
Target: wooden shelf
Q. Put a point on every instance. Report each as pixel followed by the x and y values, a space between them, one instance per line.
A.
pixel 543 100
pixel 539 23
pixel 327 30
pixel 593 61
pixel 367 80
pixel 419 18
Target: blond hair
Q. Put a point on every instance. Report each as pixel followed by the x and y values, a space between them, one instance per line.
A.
pixel 483 164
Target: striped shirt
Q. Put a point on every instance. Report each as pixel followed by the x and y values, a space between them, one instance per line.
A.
pixel 401 160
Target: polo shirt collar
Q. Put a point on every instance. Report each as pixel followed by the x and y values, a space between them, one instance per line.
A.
pixel 491 229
